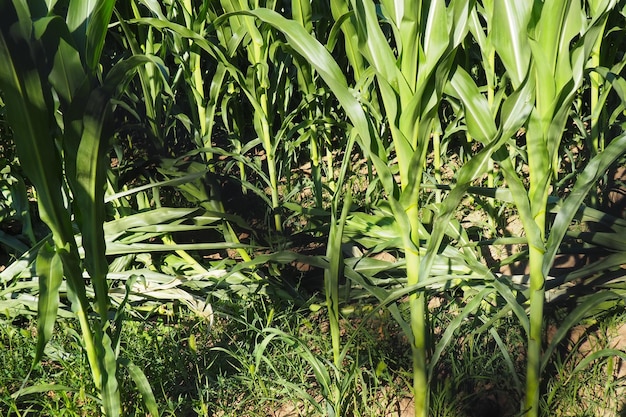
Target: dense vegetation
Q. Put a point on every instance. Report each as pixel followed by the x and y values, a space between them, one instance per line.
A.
pixel 337 192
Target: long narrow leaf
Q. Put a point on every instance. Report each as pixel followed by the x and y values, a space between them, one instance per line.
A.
pixel 50 272
pixel 454 325
pixel 143 385
pixel 573 318
pixel 595 168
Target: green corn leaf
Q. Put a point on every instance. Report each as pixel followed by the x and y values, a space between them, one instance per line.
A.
pixel 88 21
pixel 435 35
pixel 170 182
pixel 595 168
pixel 50 272
pixel 301 12
pixel 374 46
pixel 559 22
pixel 610 262
pixel 232 7
pixel 617 83
pixel 30 118
pixel 27 112
pixel 67 75
pixel 115 248
pixel 13 242
pixel 480 123
pixel 78 14
pixel 215 89
pixel 520 198
pixel 609 240
pixel 90 175
pixel 89 193
pixel 516 109
pixel 24 263
pixel 483 40
pixel 143 385
pixel 162 215
pixel 509 36
pixel 186 33
pixel 171 228
pixel 504 289
pixel 120 75
pixel 371 266
pixel 111 403
pixel 155 7
pixel 344 21
pixel 459 19
pixel 616 224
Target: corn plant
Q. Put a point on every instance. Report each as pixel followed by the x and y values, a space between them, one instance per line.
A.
pixel 524 56
pixel 264 90
pixel 58 111
pixel 536 52
pixel 557 71
pixel 183 102
pixel 394 67
pixel 410 130
pixel 410 76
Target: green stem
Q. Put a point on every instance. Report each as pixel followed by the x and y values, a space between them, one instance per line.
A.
pixel 419 326
pixel 490 99
pixel 315 166
pixel 80 307
pixel 437 162
pixel 330 171
pixel 266 139
pixel 537 297
pixel 418 313
pixel 198 85
pixel 334 273
pixel 271 166
pixel 597 142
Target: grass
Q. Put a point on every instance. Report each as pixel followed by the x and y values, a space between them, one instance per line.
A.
pixel 601 383
pixel 64 366
pixel 221 370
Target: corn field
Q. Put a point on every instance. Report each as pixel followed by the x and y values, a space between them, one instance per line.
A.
pixel 178 154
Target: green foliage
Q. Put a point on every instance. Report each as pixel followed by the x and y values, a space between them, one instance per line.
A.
pixel 50 62
pixel 188 155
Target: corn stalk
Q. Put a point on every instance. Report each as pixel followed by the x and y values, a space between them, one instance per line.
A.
pixel 533 42
pixel 410 75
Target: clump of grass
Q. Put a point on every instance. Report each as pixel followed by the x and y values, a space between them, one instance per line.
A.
pixel 599 387
pixel 475 377
pixel 226 370
pixel 60 382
